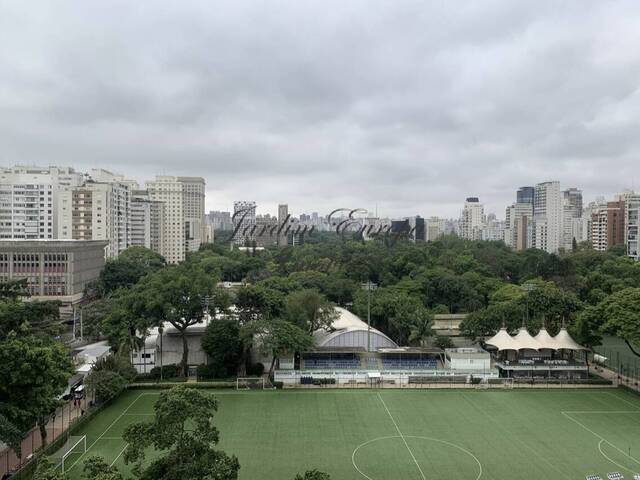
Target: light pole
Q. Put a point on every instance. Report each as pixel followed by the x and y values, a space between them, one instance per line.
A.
pixel 368 287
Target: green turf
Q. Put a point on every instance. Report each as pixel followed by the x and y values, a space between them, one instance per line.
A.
pixel 397 434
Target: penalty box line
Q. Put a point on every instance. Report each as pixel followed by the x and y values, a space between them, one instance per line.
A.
pixel 108 428
pixel 597 435
pixel 402 437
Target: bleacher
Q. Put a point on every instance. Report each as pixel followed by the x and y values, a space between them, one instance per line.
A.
pixel 345 361
pixel 405 362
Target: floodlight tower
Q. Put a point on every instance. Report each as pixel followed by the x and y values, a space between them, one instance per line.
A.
pixel 369 286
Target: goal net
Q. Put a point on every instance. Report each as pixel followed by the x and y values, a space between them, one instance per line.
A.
pixel 69 453
pixel 507 383
pixel 250 383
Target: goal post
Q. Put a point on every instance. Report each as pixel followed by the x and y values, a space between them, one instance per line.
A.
pixel 72 449
pixel 507 383
pixel 250 383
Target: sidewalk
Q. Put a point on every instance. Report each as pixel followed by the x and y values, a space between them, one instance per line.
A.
pixel 58 425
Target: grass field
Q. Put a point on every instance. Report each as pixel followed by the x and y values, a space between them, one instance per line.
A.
pixel 408 434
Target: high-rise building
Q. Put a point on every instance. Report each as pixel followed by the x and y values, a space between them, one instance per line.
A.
pixel 283 221
pixel 571 216
pixel 244 221
pixel 220 220
pixel 183 199
pixel 147 219
pixel 29 200
pixel 472 219
pixel 547 216
pixel 435 228
pixel 525 195
pixel 518 226
pixel 632 225
pixel 493 229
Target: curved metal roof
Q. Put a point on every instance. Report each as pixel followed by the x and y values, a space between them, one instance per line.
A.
pixel 346 323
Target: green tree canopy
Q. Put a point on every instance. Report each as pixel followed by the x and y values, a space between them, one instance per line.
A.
pixel 183 428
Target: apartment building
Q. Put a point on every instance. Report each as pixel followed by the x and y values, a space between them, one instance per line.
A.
pixel 183 212
pixel 29 200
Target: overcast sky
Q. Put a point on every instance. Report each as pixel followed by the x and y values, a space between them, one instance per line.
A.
pixel 412 106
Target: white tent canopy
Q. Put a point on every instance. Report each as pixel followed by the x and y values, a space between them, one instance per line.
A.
pixel 564 341
pixel 524 340
pixel 542 341
pixel 545 341
pixel 502 340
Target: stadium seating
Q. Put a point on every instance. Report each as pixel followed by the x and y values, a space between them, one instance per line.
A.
pixel 390 362
pixel 334 362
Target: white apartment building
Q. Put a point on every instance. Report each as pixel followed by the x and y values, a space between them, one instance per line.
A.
pixel 548 211
pixel 472 219
pixel 244 219
pixel 518 226
pixel 632 225
pixel 183 199
pixel 29 200
pixel 97 211
pixel 435 228
pixel 147 219
pixel 571 217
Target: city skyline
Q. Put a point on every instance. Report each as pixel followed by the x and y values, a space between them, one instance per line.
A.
pixel 406 105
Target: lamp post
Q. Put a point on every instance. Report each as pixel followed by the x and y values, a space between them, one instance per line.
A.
pixel 368 287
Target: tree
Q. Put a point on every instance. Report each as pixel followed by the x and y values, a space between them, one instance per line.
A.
pixel 223 345
pixel 106 384
pixel 620 313
pixel 313 475
pixel 39 317
pixel 178 295
pixel 421 330
pixel 277 337
pixel 442 341
pixel 126 270
pixel 46 471
pixel 33 373
pixel 95 468
pixel 183 428
pixel 310 310
pixel 11 435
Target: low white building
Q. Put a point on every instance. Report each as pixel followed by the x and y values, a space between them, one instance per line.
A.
pixel 467 359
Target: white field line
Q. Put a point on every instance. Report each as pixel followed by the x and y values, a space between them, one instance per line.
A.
pixel 600 411
pixel 623 400
pixel 121 452
pixel 402 437
pixel 106 430
pixel 600 436
pixel 615 463
pixel 523 443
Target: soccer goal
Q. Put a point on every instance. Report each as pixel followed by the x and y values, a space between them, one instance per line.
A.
pixel 72 449
pixel 250 383
pixel 507 383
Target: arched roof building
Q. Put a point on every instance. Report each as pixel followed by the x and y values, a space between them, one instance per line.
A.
pixel 350 331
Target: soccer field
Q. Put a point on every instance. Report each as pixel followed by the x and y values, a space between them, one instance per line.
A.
pixel 407 434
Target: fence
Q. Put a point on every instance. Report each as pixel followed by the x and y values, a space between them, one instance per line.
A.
pixel 57 426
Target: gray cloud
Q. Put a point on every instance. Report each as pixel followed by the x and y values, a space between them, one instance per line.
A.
pixel 408 105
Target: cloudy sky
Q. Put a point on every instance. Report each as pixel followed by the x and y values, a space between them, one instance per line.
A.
pixel 410 106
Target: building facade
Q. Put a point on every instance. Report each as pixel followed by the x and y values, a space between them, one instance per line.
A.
pixel 29 200
pixel 632 225
pixel 244 222
pixel 472 219
pixel 54 269
pixel 183 199
pixel 547 216
pixel 97 211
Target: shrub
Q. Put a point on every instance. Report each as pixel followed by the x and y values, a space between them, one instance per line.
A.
pixel 168 371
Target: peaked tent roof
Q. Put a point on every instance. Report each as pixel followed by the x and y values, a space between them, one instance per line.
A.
pixel 502 340
pixel 545 341
pixel 525 341
pixel 564 341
